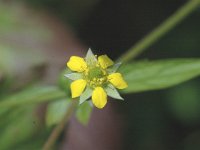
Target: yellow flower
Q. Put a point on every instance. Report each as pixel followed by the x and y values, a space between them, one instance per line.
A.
pixel 94 78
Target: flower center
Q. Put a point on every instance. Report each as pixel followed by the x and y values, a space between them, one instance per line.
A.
pixel 95 72
pixel 96 76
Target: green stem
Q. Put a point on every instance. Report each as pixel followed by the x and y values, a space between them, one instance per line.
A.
pixel 60 127
pixel 161 30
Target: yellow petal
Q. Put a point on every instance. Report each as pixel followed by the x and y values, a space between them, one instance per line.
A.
pixel 77 87
pixel 99 97
pixel 76 63
pixel 105 61
pixel 117 80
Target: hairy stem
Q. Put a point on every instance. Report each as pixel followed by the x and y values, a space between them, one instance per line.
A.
pixel 161 30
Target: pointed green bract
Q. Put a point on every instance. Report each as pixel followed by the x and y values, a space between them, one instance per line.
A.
pixel 73 76
pixel 90 58
pixel 85 95
pixel 114 68
pixel 112 92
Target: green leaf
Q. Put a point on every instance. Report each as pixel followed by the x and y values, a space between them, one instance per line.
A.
pixel 56 111
pixel 73 76
pixel 83 113
pixel 85 95
pixel 112 92
pixel 33 95
pixel 154 75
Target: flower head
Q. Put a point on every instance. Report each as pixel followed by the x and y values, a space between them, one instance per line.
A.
pixel 95 77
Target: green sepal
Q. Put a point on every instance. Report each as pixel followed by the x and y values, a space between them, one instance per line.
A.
pixel 90 58
pixel 74 76
pixel 85 95
pixel 112 92
pixel 114 68
pixel 83 112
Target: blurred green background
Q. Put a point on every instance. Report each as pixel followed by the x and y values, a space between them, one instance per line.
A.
pixel 156 120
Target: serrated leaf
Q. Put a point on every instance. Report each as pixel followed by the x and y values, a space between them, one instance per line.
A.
pixel 73 76
pixel 83 113
pixel 85 95
pixel 112 92
pixel 56 111
pixel 154 75
pixel 114 68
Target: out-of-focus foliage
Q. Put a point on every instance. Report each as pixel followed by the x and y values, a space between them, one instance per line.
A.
pixel 183 102
pixel 56 111
pixel 33 95
pixel 83 112
pixel 26 120
pixel 21 67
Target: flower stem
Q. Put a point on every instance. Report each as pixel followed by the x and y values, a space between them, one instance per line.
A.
pixel 60 127
pixel 161 30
